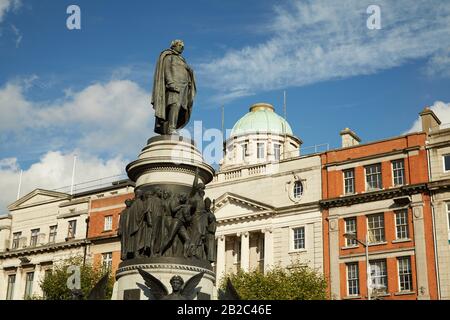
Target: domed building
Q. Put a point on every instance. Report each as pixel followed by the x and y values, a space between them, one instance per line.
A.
pixel 266 197
pixel 260 136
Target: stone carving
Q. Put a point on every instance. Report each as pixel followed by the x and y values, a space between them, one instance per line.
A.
pixel 180 290
pixel 164 223
pixel 173 90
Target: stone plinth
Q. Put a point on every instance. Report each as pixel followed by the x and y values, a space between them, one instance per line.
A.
pixel 130 285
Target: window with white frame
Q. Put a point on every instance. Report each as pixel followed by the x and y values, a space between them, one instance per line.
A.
pixel 373 177
pixel 277 151
pixel 401 224
pixel 352 279
pixel 398 172
pixel 10 288
pixel 108 223
pixel 298 235
pixel 378 275
pixel 107 260
pixel 29 284
pixel 34 237
pixel 52 234
pixel 243 150
pixel 298 189
pixel 446 161
pixel 375 224
pixel 349 181
pixel 350 227
pixel 404 274
pixel 16 240
pixel 260 150
pixel 72 229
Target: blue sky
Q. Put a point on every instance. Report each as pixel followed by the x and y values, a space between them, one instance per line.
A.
pixel 87 92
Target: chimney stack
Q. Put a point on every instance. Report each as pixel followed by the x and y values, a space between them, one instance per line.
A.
pixel 349 138
pixel 430 121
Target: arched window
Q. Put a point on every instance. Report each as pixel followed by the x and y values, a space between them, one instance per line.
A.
pixel 298 189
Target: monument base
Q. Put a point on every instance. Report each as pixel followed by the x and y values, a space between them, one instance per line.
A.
pixel 131 286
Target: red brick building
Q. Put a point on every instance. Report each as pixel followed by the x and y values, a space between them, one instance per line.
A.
pixel 376 195
pixel 104 215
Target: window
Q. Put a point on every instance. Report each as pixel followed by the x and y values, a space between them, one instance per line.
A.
pixel 52 234
pixel 29 284
pixel 378 275
pixel 350 227
pixel 373 177
pixel 349 181
pixel 260 150
pixel 277 151
pixel 299 238
pixel 10 290
pixel 298 189
pixel 375 224
pixel 352 279
pixel 16 239
pixel 446 159
pixel 244 151
pixel 107 260
pixel 398 172
pixel 108 223
pixel 72 229
pixel 34 237
pixel 401 224
pixel 404 274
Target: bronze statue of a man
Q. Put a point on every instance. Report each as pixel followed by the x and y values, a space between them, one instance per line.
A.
pixel 173 90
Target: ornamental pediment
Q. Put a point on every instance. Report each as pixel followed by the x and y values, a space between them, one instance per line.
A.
pixel 231 206
pixel 37 197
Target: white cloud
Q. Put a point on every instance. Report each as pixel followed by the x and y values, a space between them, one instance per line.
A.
pixel 114 117
pixel 18 34
pixel 442 111
pixel 313 41
pixel 8 5
pixel 439 65
pixel 54 170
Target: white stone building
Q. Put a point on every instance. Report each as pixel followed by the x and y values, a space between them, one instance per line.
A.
pixel 266 197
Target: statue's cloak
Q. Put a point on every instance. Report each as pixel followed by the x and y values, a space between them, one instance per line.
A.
pixel 159 95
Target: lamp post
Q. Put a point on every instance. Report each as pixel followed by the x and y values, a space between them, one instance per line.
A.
pixel 352 236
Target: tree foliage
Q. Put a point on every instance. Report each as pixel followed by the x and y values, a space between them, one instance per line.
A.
pixel 296 282
pixel 54 285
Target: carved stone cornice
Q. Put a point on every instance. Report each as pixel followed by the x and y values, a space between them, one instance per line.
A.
pixel 43 249
pixel 373 196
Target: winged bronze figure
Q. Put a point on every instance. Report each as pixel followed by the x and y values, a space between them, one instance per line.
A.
pixel 229 293
pixel 180 290
pixel 97 293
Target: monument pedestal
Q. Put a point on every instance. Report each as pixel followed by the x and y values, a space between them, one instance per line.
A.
pixel 131 286
pixel 167 163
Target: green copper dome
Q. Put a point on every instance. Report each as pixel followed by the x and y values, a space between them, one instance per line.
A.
pixel 261 118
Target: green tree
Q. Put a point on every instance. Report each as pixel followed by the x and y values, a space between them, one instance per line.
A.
pixel 296 282
pixel 54 285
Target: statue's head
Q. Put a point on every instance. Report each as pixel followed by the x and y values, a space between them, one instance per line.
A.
pixel 177 45
pixel 139 193
pixel 128 202
pixel 166 194
pixel 208 204
pixel 201 189
pixel 182 197
pixel 158 192
pixel 177 283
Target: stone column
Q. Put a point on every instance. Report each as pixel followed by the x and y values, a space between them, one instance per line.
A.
pixel 334 258
pixel 268 249
pixel 38 277
pixel 18 286
pixel 220 263
pixel 245 251
pixel 3 284
pixel 421 252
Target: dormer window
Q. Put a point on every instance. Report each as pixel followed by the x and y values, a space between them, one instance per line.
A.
pixel 298 189
pixel 260 150
pixel 277 151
